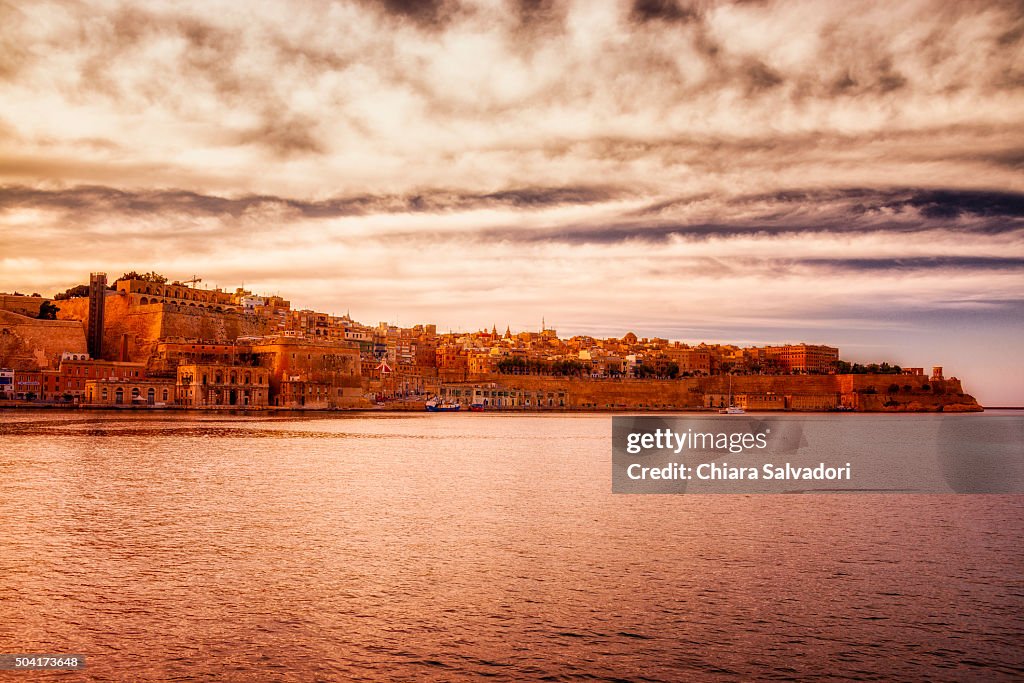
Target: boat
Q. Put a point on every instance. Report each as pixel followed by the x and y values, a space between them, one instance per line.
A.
pixel 436 406
pixel 733 409
pixel 476 407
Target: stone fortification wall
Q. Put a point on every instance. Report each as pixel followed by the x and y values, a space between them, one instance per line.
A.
pixel 147 324
pixel 27 343
pixel 22 305
pixel 884 393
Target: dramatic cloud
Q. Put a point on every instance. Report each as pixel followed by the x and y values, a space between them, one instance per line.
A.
pixel 749 171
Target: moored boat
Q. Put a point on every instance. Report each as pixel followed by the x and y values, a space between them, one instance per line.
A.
pixel 435 406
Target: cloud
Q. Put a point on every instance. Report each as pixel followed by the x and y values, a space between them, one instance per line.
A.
pixel 506 94
pixel 107 201
pixel 662 10
pixel 897 265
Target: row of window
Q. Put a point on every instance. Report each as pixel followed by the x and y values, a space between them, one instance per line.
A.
pixel 218 378
pixel 136 393
pixel 214 307
pixel 183 293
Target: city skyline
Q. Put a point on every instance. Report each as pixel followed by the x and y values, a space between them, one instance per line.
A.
pixel 736 173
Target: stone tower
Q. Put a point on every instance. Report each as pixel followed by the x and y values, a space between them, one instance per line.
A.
pixel 97 296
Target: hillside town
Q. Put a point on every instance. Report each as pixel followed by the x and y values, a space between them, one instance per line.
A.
pixel 144 341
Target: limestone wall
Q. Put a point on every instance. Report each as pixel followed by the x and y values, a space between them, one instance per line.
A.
pixel 22 305
pixel 145 325
pixel 757 392
pixel 27 343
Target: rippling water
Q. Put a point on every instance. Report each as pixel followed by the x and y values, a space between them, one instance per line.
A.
pixel 451 546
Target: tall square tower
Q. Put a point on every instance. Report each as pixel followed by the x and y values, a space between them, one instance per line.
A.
pixel 97 299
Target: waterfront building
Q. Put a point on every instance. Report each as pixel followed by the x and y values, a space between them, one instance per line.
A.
pixel 300 393
pixel 220 385
pixel 6 383
pixel 114 392
pixel 334 362
pixel 28 385
pixel 70 378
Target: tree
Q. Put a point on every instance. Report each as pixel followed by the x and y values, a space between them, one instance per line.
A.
pixel 76 291
pixel 148 277
pixel 47 311
pixel 841 367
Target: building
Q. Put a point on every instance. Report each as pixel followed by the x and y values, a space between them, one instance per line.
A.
pixel 334 363
pixel 28 385
pixel 144 292
pixel 802 357
pixel 298 393
pixel 222 386
pixel 70 378
pixel 170 353
pixel 695 361
pixel 112 392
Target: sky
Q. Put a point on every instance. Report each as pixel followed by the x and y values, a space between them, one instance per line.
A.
pixel 747 172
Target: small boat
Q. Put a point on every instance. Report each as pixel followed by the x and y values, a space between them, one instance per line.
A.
pixel 733 409
pixel 476 407
pixel 435 406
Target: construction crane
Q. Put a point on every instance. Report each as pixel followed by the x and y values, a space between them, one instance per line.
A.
pixel 193 281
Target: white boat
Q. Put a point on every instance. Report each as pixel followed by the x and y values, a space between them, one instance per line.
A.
pixel 733 409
